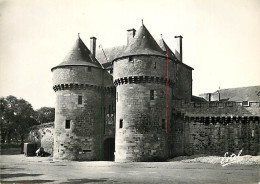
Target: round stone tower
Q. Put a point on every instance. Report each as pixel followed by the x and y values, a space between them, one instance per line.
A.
pixel 144 78
pixel 77 82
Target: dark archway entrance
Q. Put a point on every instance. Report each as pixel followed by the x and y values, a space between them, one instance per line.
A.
pixel 109 149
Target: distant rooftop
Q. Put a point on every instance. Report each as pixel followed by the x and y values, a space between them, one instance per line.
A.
pixel 250 93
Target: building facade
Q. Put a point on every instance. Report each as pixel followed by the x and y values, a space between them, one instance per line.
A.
pixel 134 103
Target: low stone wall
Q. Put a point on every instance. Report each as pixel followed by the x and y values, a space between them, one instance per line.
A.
pixel 42 135
pixel 218 139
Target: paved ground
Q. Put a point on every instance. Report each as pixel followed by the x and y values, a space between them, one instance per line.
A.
pixel 21 169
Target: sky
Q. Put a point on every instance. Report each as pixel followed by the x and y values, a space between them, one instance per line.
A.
pixel 221 39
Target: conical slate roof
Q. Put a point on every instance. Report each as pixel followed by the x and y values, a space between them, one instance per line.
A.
pixel 79 55
pixel 164 46
pixel 142 44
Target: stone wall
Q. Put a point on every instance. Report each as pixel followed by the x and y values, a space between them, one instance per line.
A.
pixel 77 75
pixel 216 128
pixel 142 136
pixel 215 139
pixel 145 66
pixel 183 86
pixel 83 140
pixel 42 135
pixel 141 108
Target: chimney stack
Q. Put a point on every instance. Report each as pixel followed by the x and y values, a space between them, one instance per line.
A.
pixel 130 35
pixel 93 45
pixel 178 48
pixel 209 97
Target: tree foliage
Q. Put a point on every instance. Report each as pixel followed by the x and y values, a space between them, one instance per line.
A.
pixel 45 115
pixel 18 115
pixel 16 118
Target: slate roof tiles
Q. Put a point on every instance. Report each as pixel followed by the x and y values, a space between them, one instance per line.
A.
pixel 79 55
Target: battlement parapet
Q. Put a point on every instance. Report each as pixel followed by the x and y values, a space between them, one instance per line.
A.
pixel 216 108
pixel 76 86
pixel 142 79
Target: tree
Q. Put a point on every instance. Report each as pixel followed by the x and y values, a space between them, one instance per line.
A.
pixel 45 115
pixel 17 116
pixel 7 118
pixel 24 118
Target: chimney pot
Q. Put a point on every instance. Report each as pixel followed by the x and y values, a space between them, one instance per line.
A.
pixel 178 48
pixel 93 45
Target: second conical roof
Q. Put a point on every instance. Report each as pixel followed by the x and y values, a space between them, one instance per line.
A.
pixel 142 44
pixel 164 47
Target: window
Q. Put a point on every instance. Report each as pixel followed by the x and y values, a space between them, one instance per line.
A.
pixel 79 99
pixel 111 70
pixel 89 69
pixel 163 124
pixel 131 59
pixel 117 96
pixel 229 104
pixel 151 94
pixel 67 124
pixel 154 65
pixel 253 133
pixel 245 103
pixel 121 123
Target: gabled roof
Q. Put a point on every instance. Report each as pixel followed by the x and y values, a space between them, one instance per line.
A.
pixel 197 99
pixel 142 44
pixel 79 55
pixel 110 54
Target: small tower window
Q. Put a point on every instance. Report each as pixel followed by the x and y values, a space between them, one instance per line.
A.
pixel 121 123
pixel 151 94
pixel 154 65
pixel 163 124
pixel 89 69
pixel 67 124
pixel 79 99
pixel 131 59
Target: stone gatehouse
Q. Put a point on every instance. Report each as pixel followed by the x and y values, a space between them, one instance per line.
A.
pixel 134 103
